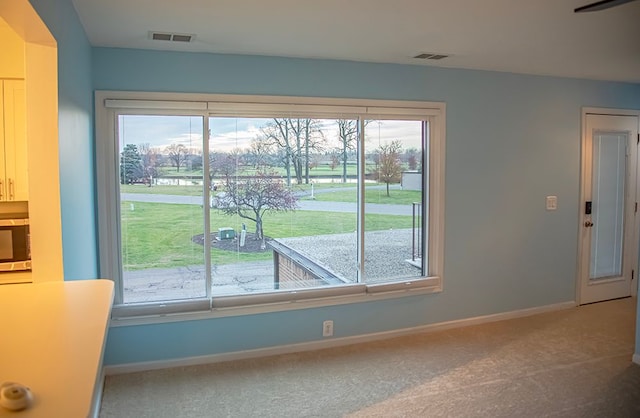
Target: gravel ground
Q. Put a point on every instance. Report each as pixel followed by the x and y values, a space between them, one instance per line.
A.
pixel 386 253
pixel 386 257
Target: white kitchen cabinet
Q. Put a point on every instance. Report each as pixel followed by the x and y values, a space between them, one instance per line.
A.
pixel 14 184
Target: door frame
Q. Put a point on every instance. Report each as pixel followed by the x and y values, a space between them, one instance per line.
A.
pixel 633 252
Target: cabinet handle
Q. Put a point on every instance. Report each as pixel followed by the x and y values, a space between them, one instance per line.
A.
pixel 11 187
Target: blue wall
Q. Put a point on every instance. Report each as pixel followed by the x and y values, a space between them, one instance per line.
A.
pixel 511 140
pixel 76 144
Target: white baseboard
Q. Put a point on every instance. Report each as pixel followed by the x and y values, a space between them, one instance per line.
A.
pixel 333 342
pixel 636 359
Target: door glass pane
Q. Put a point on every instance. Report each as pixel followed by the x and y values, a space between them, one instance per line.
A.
pixel 609 173
pixel 394 225
pixel 161 211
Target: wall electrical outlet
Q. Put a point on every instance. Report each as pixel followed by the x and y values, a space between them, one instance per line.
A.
pixel 327 328
pixel 552 202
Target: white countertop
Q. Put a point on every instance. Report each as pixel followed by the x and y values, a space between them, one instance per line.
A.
pixel 52 338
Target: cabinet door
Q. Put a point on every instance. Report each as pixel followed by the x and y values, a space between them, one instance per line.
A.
pixel 15 141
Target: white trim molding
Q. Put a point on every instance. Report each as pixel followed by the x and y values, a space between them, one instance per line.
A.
pixel 336 342
pixel 110 105
pixel 582 266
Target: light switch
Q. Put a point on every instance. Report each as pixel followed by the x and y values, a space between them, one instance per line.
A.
pixel 552 202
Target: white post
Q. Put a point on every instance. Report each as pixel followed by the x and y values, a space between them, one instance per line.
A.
pixel 243 235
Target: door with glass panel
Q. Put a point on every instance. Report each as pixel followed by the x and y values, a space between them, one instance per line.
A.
pixel 608 233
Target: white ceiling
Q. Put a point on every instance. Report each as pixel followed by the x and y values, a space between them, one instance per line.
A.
pixel 540 37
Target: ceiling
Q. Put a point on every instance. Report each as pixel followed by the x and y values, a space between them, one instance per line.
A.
pixel 541 37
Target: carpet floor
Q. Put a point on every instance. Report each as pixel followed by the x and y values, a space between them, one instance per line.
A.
pixel 569 363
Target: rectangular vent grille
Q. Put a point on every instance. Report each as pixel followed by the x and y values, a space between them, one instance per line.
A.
pixel 181 38
pixel 173 37
pixel 426 56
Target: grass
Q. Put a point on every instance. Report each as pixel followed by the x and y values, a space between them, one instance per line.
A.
pixel 196 190
pixel 172 190
pixel 323 186
pixel 396 197
pixel 158 235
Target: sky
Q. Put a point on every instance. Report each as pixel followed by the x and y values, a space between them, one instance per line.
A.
pixel 230 133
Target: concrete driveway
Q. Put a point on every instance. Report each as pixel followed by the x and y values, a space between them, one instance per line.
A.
pixel 312 205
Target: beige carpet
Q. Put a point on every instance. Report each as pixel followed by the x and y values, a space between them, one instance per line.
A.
pixel 572 363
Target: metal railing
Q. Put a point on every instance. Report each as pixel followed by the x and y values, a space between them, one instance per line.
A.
pixel 416 239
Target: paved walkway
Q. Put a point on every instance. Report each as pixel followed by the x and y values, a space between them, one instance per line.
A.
pixel 312 205
pixel 189 282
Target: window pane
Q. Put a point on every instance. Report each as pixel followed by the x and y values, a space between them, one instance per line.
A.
pixel 161 215
pixel 609 173
pixel 327 231
pixel 394 238
pixel 283 204
pixel 283 208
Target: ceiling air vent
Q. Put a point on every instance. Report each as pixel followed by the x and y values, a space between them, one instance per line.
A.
pixel 181 38
pixel 426 56
pixel 173 37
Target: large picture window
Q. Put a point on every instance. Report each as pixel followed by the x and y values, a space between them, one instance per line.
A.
pixel 209 204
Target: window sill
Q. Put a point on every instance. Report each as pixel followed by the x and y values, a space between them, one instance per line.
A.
pixel 378 292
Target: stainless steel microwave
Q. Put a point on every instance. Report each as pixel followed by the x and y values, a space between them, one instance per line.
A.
pixel 15 246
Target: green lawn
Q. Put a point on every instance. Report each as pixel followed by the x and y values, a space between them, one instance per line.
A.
pixel 197 190
pixel 396 197
pixel 323 186
pixel 174 190
pixel 158 235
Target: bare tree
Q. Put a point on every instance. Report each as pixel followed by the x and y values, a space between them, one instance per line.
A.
pixel 335 161
pixel 237 155
pixel 150 161
pixel 315 160
pixel 193 159
pixel 277 133
pixel 177 154
pixel 308 136
pixel 223 164
pixel 251 197
pixel 348 135
pixel 259 151
pixel 217 163
pixel 388 166
pixel 348 132
pixel 411 156
pixel 296 138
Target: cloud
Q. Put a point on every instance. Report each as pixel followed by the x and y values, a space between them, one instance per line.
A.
pixel 230 133
pixel 160 131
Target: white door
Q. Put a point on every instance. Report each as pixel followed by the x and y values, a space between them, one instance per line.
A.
pixel 609 239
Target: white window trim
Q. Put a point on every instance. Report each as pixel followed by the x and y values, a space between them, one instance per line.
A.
pixel 106 104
